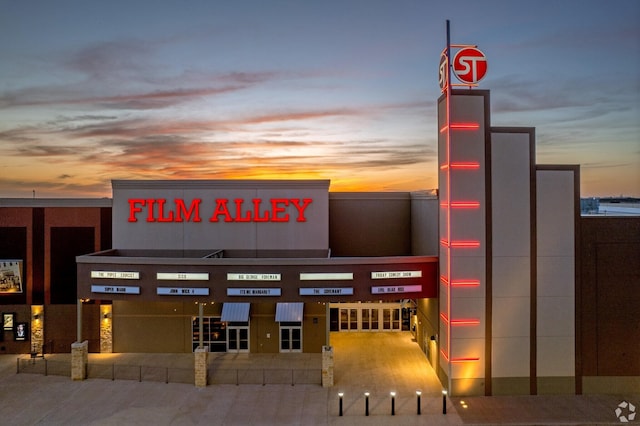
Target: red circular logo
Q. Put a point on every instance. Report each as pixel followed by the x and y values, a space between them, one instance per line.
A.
pixel 469 65
pixel 442 72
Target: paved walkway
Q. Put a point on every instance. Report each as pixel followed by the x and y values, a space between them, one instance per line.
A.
pixel 377 364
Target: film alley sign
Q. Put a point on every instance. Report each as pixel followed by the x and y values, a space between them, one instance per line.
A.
pixel 222 210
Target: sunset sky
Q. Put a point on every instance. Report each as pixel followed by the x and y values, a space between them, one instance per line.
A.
pixel 343 90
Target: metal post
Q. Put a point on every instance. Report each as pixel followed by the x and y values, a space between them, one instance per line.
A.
pixel 418 394
pixel 444 402
pixel 79 322
pixel 340 395
pixel 366 403
pixel 393 403
pixel 327 324
pixel 201 324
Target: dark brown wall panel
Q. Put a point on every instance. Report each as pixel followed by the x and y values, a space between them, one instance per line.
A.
pixel 370 227
pixel 38 255
pixel 610 296
pixel 66 244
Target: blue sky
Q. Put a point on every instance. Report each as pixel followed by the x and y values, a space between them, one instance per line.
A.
pixel 341 90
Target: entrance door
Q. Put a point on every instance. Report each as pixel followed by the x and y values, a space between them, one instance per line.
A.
pixel 290 337
pixel 348 319
pixel 370 320
pixel 367 316
pixel 238 339
pixel 391 319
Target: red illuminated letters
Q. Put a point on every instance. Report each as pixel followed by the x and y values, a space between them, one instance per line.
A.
pixel 273 210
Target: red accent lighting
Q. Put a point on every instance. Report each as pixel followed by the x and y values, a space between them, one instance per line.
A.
pixel 465 204
pixel 464 126
pixel 468 321
pixel 469 359
pixel 465 283
pixel 465 244
pixel 469 166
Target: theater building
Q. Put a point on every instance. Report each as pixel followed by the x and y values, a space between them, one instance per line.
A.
pixel 507 289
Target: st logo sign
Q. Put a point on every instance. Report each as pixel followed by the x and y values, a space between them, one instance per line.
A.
pixel 470 65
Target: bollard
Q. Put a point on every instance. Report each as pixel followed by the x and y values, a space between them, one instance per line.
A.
pixel 418 394
pixel 366 403
pixel 444 402
pixel 393 403
pixel 341 394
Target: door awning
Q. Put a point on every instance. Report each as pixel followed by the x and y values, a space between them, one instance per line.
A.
pixel 289 312
pixel 235 312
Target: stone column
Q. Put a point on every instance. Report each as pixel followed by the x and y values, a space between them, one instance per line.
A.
pixel 201 358
pixel 79 360
pixel 327 366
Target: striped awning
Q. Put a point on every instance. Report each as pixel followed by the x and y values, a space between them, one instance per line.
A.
pixel 289 312
pixel 235 312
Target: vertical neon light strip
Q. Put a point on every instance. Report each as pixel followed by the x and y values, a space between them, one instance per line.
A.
pixel 448 173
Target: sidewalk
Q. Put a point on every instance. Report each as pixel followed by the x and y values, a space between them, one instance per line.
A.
pixel 371 365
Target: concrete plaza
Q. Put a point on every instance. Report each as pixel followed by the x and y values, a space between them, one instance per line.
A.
pixel 364 362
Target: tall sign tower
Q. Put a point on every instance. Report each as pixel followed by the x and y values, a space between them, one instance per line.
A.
pixel 462 124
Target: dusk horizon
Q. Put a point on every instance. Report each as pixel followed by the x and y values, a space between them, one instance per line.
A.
pixel 343 91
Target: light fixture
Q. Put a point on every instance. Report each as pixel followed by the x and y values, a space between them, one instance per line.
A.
pixel 444 401
pixel 340 394
pixel 418 395
pixel 366 403
pixel 393 403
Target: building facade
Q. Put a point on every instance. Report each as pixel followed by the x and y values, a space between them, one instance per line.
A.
pixel 507 289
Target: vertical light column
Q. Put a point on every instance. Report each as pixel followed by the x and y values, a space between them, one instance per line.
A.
pixel 37 328
pixel 106 329
pixel 461 118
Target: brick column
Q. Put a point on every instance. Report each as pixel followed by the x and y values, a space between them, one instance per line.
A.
pixel 79 360
pixel 327 366
pixel 201 357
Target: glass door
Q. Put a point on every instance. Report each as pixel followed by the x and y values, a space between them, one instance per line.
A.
pixel 370 319
pixel 348 319
pixel 238 339
pixel 291 337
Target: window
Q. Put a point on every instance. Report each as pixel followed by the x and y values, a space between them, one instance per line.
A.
pixel 214 333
